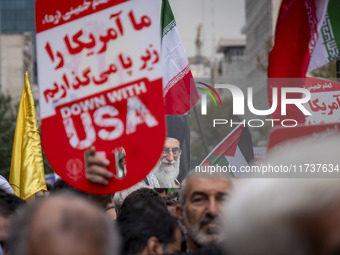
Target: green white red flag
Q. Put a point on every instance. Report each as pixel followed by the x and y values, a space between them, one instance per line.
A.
pixel 328 42
pixel 235 150
pixel 179 90
pixel 306 37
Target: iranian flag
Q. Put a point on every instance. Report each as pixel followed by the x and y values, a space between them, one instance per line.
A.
pixel 236 149
pixel 328 42
pixel 305 38
pixel 179 89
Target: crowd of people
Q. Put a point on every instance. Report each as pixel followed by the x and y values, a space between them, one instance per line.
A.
pixel 146 220
pixel 211 213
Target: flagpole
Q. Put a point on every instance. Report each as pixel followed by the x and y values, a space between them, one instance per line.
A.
pixel 201 131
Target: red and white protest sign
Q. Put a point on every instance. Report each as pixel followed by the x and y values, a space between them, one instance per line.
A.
pixel 324 104
pixel 282 137
pixel 100 84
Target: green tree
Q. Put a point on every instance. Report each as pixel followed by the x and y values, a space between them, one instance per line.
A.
pixel 7 127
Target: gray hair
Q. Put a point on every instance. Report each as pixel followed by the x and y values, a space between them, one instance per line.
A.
pixel 71 221
pixel 195 174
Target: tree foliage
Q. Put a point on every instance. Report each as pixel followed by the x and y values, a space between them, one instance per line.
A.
pixel 7 127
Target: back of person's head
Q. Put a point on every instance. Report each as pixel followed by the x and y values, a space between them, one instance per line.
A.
pixel 100 200
pixel 61 186
pixel 173 195
pixel 120 196
pixel 162 191
pixel 142 221
pixel 290 215
pixel 284 216
pixel 172 202
pixel 143 194
pixel 48 186
pixel 62 224
pixel 9 204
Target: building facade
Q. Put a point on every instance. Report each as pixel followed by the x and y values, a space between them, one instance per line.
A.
pixel 17 16
pixel 17 45
pixel 16 58
pixel 232 64
pixel 261 19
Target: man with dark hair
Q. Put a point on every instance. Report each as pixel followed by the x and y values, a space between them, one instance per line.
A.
pixel 147 228
pixel 62 224
pixel 143 194
pixel 9 205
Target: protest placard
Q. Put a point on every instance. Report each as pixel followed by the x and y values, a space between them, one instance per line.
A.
pixel 282 137
pixel 324 104
pixel 100 84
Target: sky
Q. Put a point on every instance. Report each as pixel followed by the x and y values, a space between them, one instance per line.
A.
pixel 220 19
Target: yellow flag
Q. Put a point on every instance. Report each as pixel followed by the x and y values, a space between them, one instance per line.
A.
pixel 27 169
